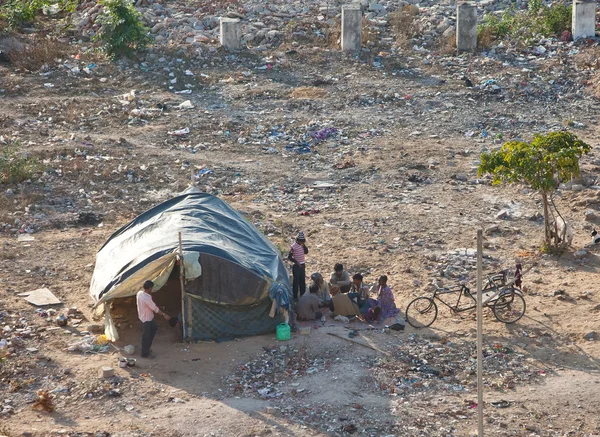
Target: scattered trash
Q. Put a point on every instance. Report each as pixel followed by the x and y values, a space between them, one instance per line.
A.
pixel 204 172
pixel 186 105
pixel 89 218
pixel 90 343
pixel 501 404
pixel 44 401
pixel 349 163
pixel 301 148
pixel 323 134
pixel 180 132
pixel 309 212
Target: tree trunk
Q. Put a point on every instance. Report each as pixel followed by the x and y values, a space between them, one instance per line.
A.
pixel 547 224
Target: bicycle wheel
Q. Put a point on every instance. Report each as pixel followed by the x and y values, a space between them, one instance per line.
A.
pixel 421 312
pixel 509 307
pixel 505 297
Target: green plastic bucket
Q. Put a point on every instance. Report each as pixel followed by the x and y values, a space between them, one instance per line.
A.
pixel 283 332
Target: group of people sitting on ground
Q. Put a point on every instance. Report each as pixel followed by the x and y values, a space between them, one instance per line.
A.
pixel 350 298
pixel 341 296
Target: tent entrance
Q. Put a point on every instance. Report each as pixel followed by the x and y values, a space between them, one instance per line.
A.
pixel 168 297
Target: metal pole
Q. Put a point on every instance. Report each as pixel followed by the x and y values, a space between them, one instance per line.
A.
pixel 181 276
pixel 479 333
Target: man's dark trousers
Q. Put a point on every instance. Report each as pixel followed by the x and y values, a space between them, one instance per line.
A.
pixel 148 333
pixel 299 281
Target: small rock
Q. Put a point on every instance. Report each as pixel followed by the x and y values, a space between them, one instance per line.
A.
pixel 591 336
pixel 590 215
pixel 580 254
pixel 503 215
pixel 107 372
pixel 376 7
pixel 492 229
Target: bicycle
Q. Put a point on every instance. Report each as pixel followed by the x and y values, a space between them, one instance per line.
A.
pixel 505 300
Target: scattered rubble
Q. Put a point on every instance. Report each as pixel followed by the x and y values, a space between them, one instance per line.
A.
pixel 419 365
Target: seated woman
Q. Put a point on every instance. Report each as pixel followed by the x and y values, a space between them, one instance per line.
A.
pixel 385 300
pixel 323 293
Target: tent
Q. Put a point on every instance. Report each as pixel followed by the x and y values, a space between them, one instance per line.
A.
pixel 234 277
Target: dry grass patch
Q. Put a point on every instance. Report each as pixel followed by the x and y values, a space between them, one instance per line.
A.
pixel 333 35
pixel 485 38
pixel 404 24
pixel 447 44
pixel 40 52
pixel 588 59
pixel 369 35
pixel 596 86
pixel 8 254
pixel 308 92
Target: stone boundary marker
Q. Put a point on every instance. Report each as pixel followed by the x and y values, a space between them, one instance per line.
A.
pixel 351 28
pixel 583 26
pixel 466 27
pixel 231 33
pixel 584 19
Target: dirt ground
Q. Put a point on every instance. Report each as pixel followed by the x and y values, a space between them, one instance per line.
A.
pixel 402 194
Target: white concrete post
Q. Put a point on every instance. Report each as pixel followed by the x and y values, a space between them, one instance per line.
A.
pixel 466 27
pixel 351 28
pixel 584 19
pixel 231 33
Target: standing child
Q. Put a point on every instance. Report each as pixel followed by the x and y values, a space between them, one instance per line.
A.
pixel 297 255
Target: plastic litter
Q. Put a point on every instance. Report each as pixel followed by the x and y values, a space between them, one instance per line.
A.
pixel 180 132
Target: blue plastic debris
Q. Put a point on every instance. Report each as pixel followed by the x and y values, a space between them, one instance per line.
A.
pixel 299 148
pixel 204 171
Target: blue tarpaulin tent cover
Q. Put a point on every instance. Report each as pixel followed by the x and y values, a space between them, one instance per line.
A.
pixel 240 267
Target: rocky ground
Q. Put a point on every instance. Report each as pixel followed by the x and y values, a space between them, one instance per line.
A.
pixel 372 155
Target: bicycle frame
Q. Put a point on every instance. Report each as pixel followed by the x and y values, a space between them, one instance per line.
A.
pixel 497 283
pixel 462 290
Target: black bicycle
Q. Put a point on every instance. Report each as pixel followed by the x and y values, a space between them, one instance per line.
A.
pixel 505 300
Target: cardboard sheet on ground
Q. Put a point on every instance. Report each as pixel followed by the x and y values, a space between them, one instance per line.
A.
pixel 40 297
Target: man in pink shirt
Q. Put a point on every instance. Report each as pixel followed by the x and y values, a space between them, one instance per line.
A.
pixel 146 309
